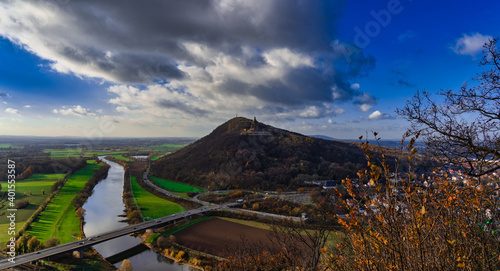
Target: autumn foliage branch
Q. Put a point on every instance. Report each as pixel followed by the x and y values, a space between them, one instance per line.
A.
pixel 394 224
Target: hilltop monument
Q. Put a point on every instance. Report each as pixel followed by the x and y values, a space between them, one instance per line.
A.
pixel 254 129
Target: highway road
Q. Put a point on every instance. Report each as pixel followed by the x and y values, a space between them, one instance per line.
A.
pixel 93 240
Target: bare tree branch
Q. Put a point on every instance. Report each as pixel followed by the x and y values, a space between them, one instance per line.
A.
pixel 464 126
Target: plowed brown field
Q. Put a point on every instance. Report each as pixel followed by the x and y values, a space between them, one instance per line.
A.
pixel 220 237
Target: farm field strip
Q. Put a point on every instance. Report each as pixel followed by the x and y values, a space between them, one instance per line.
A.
pixel 35 183
pixel 156 157
pixel 59 219
pixel 76 152
pixel 217 236
pixel 151 205
pixel 250 223
pixel 175 186
pixel 44 176
pixel 7 145
pixel 167 147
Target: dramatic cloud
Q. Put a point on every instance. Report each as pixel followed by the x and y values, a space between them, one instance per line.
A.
pixel 76 110
pixel 199 57
pixel 470 44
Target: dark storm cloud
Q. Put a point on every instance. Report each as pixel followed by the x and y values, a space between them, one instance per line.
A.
pixel 297 87
pixel 159 27
pixel 183 107
pixel 143 42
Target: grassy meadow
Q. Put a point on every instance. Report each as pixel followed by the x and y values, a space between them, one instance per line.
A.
pixel 77 152
pixel 59 219
pixel 35 183
pixel 151 205
pixel 167 147
pixel 156 157
pixel 175 186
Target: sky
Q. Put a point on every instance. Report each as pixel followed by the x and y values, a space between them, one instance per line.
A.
pixel 164 68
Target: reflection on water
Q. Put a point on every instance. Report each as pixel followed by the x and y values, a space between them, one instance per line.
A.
pixel 102 214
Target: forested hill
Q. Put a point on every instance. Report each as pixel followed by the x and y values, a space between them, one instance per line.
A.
pixel 242 153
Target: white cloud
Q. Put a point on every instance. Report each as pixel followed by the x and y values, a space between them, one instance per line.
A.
pixel 376 115
pixel 330 121
pixel 286 58
pixel 355 86
pixel 311 112
pixel 76 110
pixel 365 101
pixel 27 106
pixel 12 111
pixel 470 44
pixel 339 111
pixel 365 107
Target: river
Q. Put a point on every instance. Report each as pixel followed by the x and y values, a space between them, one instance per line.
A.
pixel 102 214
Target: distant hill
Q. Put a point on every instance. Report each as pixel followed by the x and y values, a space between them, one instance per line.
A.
pixel 242 153
pixel 322 137
pixel 396 143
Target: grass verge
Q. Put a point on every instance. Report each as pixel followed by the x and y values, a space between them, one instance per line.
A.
pixel 175 186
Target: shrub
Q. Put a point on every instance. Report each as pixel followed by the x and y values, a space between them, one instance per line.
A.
pixel 439 227
pixel 52 242
pixel 181 255
pixel 22 204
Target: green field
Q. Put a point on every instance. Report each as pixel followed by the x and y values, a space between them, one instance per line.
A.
pixel 122 158
pixel 64 153
pixel 77 152
pixel 175 186
pixel 45 176
pixel 152 206
pixel 35 183
pixel 156 157
pixel 7 145
pixel 166 147
pixel 184 195
pixel 59 219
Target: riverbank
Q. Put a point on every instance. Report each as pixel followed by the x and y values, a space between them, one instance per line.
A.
pixel 104 212
pixel 169 255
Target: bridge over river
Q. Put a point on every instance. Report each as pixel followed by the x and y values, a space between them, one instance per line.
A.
pixel 93 240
